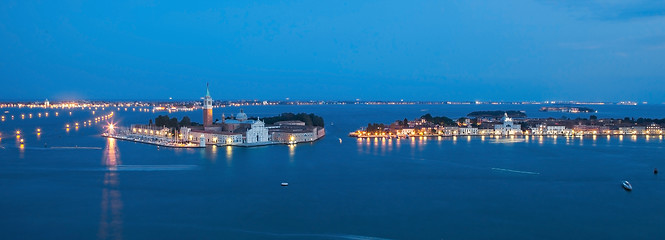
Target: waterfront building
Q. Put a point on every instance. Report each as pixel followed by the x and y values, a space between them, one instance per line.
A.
pixel 544 129
pixel 590 129
pixel 486 131
pixel 468 131
pixel 150 130
pixel 207 108
pixel 624 130
pixel 294 133
pixel 555 130
pixel 653 129
pixel 449 131
pixel 243 131
pixel 210 137
pixel 236 131
pixel 631 130
pixel 257 133
pixel 639 129
pixel 47 103
pixel 508 127
pixel 407 131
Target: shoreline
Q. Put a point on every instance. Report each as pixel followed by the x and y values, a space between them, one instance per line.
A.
pixel 192 145
pixel 156 143
pixel 354 135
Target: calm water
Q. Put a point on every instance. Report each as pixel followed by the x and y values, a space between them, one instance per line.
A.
pixel 449 188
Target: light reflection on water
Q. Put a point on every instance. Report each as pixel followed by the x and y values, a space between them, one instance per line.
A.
pixel 110 223
pixel 229 155
pixel 292 152
pixel 210 153
pixel 384 146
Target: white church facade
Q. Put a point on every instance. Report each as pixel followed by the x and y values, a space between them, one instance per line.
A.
pixel 508 127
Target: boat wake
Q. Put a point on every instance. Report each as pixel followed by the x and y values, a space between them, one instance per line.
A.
pixel 515 171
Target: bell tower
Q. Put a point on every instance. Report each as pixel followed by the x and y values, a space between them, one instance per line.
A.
pixel 207 108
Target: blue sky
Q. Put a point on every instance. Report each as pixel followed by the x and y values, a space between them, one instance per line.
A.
pixel 330 50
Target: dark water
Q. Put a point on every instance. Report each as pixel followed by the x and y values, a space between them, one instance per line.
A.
pixel 450 188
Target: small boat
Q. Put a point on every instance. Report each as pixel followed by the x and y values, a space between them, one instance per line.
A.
pixel 655 171
pixel 626 185
pixel 284 184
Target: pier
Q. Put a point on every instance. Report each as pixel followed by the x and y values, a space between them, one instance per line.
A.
pixel 164 142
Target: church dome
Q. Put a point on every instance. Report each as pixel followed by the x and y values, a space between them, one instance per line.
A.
pixel 241 116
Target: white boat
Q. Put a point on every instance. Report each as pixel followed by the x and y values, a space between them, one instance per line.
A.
pixel 626 185
pixel 284 184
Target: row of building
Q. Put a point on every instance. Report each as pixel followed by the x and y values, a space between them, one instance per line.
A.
pixel 246 133
pixel 508 127
pixel 236 130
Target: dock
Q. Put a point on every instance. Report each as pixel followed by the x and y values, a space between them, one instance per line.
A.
pixel 163 142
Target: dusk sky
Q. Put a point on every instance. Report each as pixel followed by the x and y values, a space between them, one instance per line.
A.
pixel 334 50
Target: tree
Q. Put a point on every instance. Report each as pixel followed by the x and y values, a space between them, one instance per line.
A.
pixel 428 117
pixel 162 121
pixel 185 121
pixel 593 117
pixel 375 128
pixel 309 119
pixel 172 123
pixel 150 122
pixel 444 121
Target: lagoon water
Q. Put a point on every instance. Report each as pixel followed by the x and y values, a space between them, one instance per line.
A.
pixel 448 188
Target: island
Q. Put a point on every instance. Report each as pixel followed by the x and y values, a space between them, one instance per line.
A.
pixel 238 130
pixel 497 114
pixel 568 109
pixel 485 124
